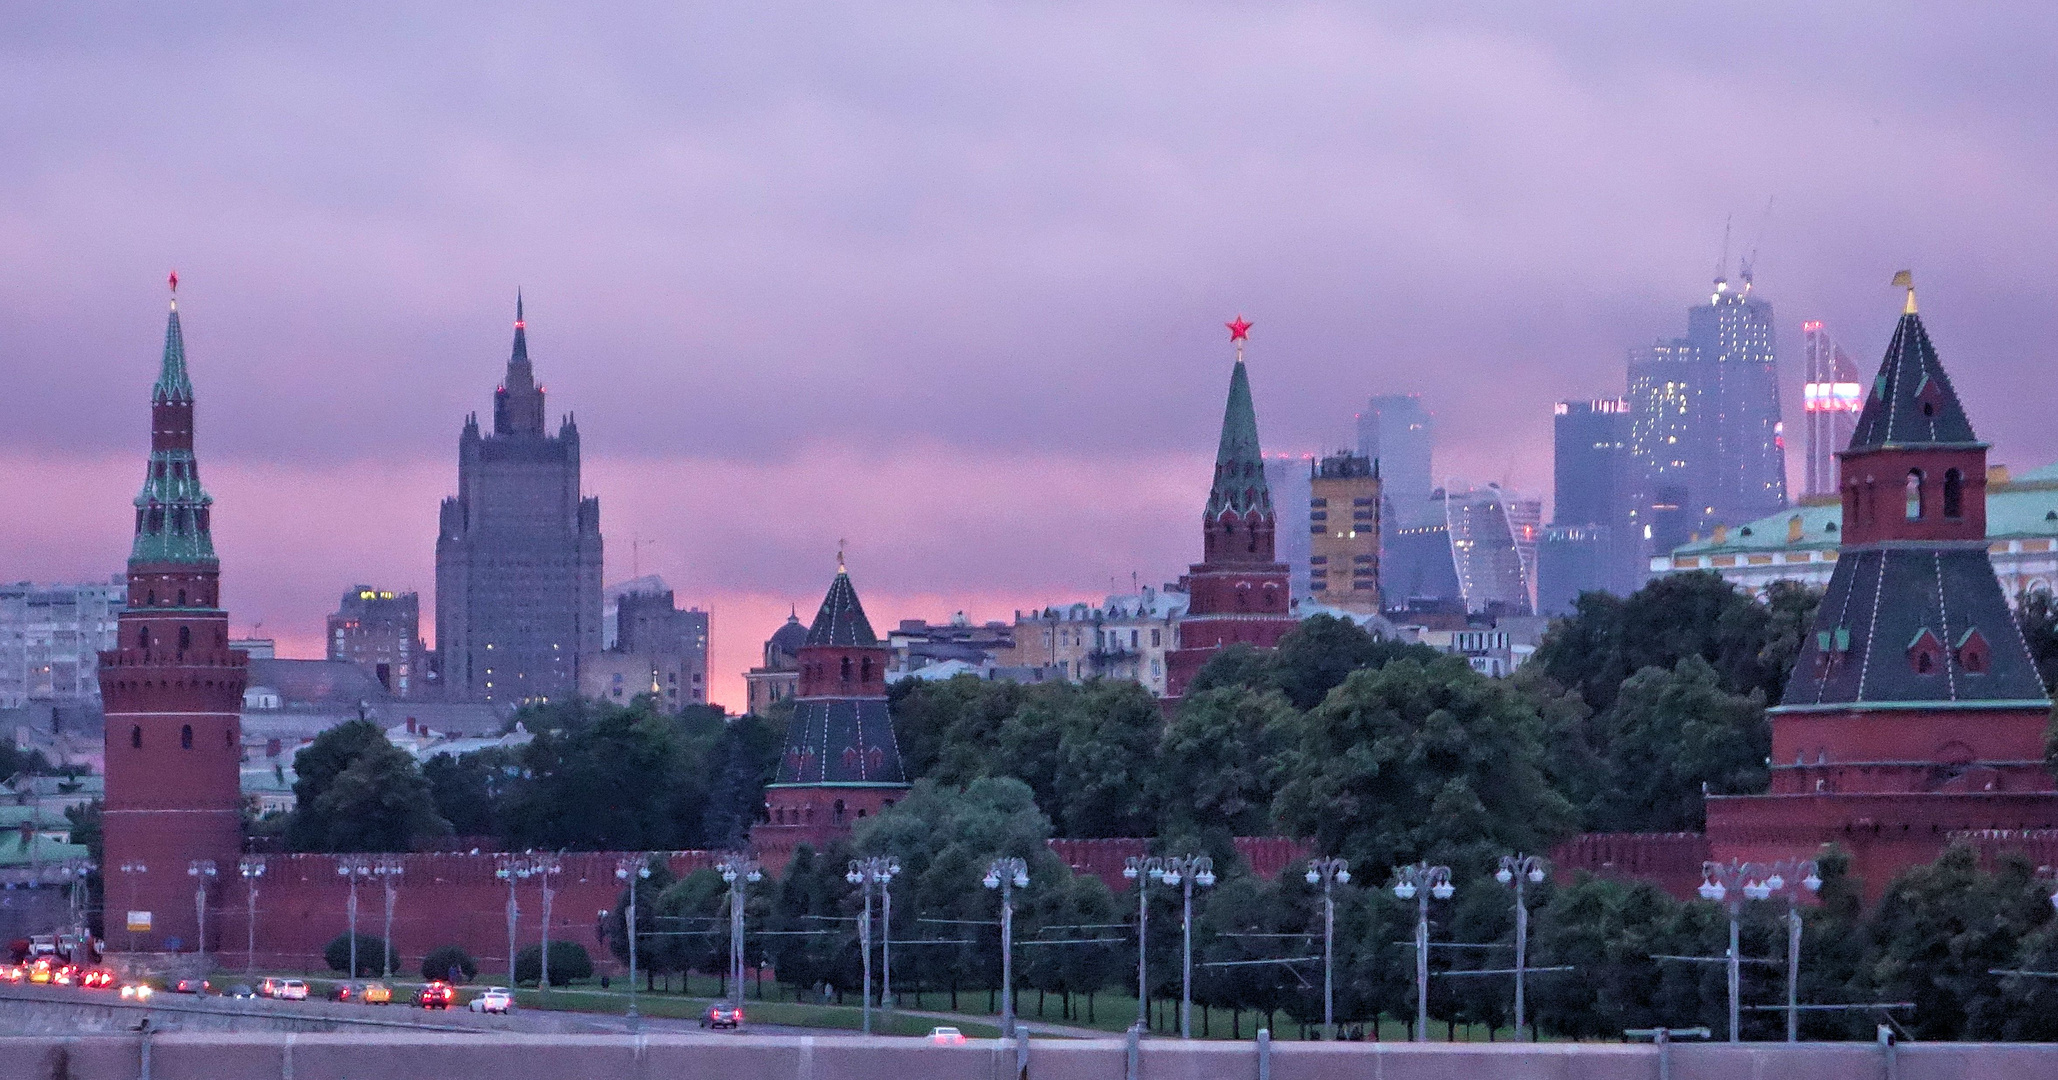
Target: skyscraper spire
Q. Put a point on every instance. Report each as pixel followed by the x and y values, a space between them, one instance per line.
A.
pixel 172 381
pixel 172 510
pixel 1239 463
pixel 518 403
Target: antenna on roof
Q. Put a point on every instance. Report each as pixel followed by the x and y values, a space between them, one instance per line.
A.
pixel 1722 265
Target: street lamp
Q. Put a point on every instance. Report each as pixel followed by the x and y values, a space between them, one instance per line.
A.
pixel 74 872
pixel 875 871
pixel 1184 872
pixel 1007 875
pixel 202 871
pixel 132 870
pixel 1519 870
pixel 740 870
pixel 1329 873
pixel 388 871
pixel 251 867
pixel 1419 882
pixel 353 868
pixel 633 869
pixel 545 867
pixel 514 870
pixel 1141 869
pixel 1730 884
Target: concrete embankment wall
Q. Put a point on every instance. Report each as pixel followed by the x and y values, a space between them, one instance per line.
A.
pixel 335 1056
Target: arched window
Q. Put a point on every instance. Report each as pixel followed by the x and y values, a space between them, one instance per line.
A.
pixel 186 737
pixel 1954 494
pixel 846 669
pixel 142 637
pixel 838 816
pixel 865 670
pixel 185 638
pixel 182 598
pixel 1914 486
pixel 136 737
pixel 228 739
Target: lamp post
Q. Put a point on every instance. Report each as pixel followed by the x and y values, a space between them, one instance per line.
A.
pixel 1329 873
pixel 202 871
pixel 388 870
pixel 514 870
pixel 1184 872
pixel 1419 882
pixel 1519 870
pixel 251 867
pixel 633 869
pixel 1141 869
pixel 353 868
pixel 868 873
pixel 545 867
pixel 740 870
pixel 74 872
pixel 1730 884
pixel 1007 875
pixel 132 870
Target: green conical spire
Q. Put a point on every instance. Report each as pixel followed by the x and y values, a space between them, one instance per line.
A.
pixel 172 510
pixel 1239 464
pixel 172 383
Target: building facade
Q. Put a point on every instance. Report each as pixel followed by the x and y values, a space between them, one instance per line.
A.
pixel 51 637
pixel 1588 545
pixel 1399 434
pixel 172 689
pixel 1487 527
pixel 1126 636
pixel 1830 401
pixel 1915 712
pixel 1743 472
pixel 658 649
pixel 1288 475
pixel 381 631
pixel 778 678
pixel 1238 594
pixel 1343 532
pixel 841 762
pixel 518 553
pixel 1664 444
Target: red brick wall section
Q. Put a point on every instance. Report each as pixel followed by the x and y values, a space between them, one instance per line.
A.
pixel 1671 861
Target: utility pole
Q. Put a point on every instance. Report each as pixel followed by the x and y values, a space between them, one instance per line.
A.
pixel 203 872
pixel 869 873
pixel 633 869
pixel 1517 870
pixel 739 870
pixel 514 870
pixel 251 867
pixel 353 868
pixel 388 870
pixel 1141 870
pixel 545 867
pixel 1184 872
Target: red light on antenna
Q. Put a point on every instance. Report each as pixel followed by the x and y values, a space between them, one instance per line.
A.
pixel 1811 326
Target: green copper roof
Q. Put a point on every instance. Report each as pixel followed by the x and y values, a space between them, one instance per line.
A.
pixel 1239 465
pixel 172 383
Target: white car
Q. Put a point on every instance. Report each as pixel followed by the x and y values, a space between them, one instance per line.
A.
pixel 493 999
pixel 946 1036
pixel 291 990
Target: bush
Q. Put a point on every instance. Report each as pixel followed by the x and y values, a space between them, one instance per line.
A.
pixel 443 959
pixel 569 960
pixel 371 953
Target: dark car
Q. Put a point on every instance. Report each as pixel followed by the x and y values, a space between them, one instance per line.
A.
pixel 436 995
pixel 722 1014
pixel 241 990
pixel 191 986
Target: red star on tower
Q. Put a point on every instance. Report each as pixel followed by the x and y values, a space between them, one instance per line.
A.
pixel 1239 330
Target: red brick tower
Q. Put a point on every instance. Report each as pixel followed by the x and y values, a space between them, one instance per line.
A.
pixel 172 689
pixel 842 762
pixel 1915 709
pixel 1237 593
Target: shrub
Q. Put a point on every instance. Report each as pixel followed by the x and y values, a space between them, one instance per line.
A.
pixel 371 953
pixel 569 960
pixel 443 959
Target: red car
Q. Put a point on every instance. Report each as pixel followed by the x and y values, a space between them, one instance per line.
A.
pixel 97 979
pixel 722 1015
pixel 436 995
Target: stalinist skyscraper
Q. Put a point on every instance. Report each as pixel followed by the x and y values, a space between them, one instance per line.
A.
pixel 517 553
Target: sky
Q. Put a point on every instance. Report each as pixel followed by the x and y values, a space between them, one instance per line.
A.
pixel 946 281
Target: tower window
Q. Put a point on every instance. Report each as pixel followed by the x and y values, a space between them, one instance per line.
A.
pixel 186 737
pixel 846 669
pixel 143 637
pixel 136 737
pixel 1954 494
pixel 185 638
pixel 1914 487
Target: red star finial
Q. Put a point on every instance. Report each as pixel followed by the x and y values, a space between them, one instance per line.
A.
pixel 1239 330
pixel 175 281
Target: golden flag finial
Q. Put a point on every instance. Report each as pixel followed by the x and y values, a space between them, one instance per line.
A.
pixel 1906 280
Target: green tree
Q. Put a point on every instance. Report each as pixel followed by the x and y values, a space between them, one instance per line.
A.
pixel 371 955
pixel 744 757
pixel 2037 612
pixel 1316 656
pixel 1939 932
pixel 614 926
pixel 467 789
pixel 1670 736
pixel 1750 645
pixel 807 946
pixel 1418 760
pixel 1106 759
pixel 957 718
pixel 316 767
pixel 1220 761
pixel 450 963
pixel 606 777
pixel 569 962
pixel 379 803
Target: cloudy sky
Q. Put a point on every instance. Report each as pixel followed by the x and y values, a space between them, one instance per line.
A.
pixel 946 280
